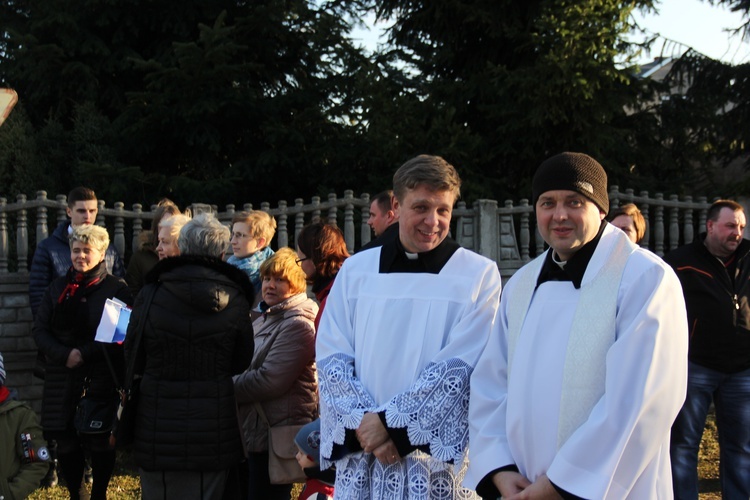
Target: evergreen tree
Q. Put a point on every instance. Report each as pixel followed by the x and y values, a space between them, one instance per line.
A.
pixel 496 86
pixel 708 120
pixel 216 101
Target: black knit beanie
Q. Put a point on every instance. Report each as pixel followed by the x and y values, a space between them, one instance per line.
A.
pixel 573 172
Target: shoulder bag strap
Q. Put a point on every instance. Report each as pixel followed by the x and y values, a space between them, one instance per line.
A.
pixel 138 334
pixel 110 365
pixel 263 353
pixel 259 359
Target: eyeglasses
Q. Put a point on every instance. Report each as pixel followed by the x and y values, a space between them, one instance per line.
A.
pixel 300 261
pixel 239 236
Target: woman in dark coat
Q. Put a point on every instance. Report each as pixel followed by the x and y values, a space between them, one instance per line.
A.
pixel 145 258
pixel 64 329
pixel 197 334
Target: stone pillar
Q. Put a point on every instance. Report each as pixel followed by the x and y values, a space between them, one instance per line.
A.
pixel 489 231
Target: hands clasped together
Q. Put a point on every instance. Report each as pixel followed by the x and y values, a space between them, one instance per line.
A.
pixel 374 438
pixel 514 486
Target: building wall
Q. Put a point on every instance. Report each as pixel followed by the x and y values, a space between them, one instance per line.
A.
pixel 16 342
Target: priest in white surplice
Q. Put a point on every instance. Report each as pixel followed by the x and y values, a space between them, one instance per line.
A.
pixel 403 327
pixel 586 368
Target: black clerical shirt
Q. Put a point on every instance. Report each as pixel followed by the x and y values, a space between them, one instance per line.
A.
pixel 574 268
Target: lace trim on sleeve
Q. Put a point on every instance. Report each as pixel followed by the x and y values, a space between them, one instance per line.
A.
pixel 435 410
pixel 343 401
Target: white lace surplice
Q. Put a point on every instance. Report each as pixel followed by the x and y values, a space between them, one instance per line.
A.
pixel 405 344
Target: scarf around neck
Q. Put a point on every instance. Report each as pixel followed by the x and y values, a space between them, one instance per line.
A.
pixel 81 281
pixel 251 265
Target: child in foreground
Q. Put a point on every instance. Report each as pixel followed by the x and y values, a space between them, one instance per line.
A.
pixel 23 451
pixel 319 484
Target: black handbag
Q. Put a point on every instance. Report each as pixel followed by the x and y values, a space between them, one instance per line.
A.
pixel 123 426
pixel 94 413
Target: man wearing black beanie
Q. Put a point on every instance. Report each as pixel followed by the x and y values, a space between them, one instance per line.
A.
pixel 575 393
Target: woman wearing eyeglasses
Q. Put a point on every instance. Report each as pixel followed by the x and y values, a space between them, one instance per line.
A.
pixel 322 251
pixel 252 233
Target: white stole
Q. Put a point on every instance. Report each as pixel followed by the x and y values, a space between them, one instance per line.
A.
pixel 592 333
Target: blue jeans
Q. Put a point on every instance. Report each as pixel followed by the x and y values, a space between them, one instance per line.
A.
pixel 730 393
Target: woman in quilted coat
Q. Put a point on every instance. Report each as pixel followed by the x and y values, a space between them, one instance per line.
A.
pixel 281 379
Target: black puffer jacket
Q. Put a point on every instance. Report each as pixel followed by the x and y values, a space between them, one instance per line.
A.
pixel 62 385
pixel 718 307
pixel 197 335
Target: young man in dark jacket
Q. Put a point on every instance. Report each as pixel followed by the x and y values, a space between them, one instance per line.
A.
pixel 715 274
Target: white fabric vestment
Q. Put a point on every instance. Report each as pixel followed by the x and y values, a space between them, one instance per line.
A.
pixel 622 449
pixel 404 344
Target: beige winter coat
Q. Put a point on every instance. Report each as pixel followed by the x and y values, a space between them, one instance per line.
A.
pixel 285 383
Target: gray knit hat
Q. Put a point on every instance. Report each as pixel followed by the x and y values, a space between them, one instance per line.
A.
pixel 308 439
pixel 2 370
pixel 573 172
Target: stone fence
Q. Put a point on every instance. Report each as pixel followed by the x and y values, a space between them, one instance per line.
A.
pixel 505 233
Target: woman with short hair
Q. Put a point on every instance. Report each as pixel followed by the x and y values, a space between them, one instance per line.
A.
pixel 146 256
pixel 168 238
pixel 196 334
pixel 252 233
pixel 282 378
pixel 64 329
pixel 630 220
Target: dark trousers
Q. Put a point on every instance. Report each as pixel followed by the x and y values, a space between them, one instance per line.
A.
pixel 260 487
pixel 102 466
pixel 181 485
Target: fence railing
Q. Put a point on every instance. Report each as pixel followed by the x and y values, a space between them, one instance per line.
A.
pixel 506 233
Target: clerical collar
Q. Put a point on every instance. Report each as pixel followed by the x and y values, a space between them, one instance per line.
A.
pixel 574 268
pixel 395 259
pixel 560 263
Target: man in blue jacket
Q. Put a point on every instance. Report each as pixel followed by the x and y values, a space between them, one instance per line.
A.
pixel 52 256
pixel 715 274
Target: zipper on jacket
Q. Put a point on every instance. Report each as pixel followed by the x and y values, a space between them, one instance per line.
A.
pixel 736 311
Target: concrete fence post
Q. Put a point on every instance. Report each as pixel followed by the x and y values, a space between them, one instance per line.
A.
pixel 489 231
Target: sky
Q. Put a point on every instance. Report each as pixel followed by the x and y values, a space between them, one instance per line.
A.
pixel 689 23
pixel 697 24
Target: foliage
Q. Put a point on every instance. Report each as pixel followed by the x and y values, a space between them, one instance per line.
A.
pixel 230 102
pixel 196 100
pixel 496 86
pixel 20 170
pixel 716 104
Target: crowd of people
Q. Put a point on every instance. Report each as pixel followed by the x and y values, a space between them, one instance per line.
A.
pixel 408 370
